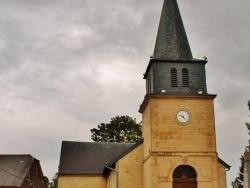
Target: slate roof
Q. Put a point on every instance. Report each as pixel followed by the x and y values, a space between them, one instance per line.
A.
pixel 171 42
pixel 89 158
pixel 227 166
pixel 113 161
pixel 13 169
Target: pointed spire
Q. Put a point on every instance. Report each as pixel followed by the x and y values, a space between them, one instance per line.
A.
pixel 171 42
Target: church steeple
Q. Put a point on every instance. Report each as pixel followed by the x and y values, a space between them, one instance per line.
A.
pixel 171 42
pixel 178 113
pixel 173 70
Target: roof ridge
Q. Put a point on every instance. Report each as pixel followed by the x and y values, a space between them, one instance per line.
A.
pixel 117 143
pixel 135 145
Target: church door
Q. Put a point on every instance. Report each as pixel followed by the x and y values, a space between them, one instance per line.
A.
pixel 184 176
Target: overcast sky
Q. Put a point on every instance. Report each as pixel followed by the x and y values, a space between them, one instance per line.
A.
pixel 67 65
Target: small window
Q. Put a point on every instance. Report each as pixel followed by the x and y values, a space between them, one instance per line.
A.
pixel 185 78
pixel 174 77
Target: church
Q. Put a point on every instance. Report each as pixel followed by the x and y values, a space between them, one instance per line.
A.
pixel 178 149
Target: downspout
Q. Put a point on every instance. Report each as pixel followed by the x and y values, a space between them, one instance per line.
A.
pixel 116 175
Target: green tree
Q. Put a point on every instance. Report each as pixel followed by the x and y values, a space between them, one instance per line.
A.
pixel 238 182
pixel 54 183
pixel 46 181
pixel 123 129
pixel 248 124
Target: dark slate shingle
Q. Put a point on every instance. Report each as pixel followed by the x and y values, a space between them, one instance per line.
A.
pixel 88 157
pixel 13 169
pixel 172 42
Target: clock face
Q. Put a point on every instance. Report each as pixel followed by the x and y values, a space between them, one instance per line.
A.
pixel 182 116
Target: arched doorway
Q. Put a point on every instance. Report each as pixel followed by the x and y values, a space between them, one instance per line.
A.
pixel 184 176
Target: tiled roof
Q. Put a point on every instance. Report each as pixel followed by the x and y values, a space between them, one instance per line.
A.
pixel 89 157
pixel 13 169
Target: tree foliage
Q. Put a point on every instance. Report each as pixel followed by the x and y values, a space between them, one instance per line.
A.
pixel 238 182
pixel 54 183
pixel 123 129
pixel 248 124
pixel 46 181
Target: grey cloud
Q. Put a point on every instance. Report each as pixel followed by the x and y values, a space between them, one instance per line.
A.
pixel 66 66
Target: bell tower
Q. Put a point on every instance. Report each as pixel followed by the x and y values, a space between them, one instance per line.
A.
pixel 178 113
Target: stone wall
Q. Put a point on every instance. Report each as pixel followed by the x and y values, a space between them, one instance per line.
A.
pixel 246 169
pixel 82 181
pixel 222 176
pixel 159 168
pixel 34 178
pixel 197 135
pixel 130 169
pixel 169 144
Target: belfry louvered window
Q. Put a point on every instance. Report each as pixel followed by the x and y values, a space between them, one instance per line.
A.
pixel 174 77
pixel 185 78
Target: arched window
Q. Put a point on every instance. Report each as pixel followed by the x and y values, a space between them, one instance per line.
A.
pixel 184 171
pixel 185 78
pixel 174 77
pixel 184 176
